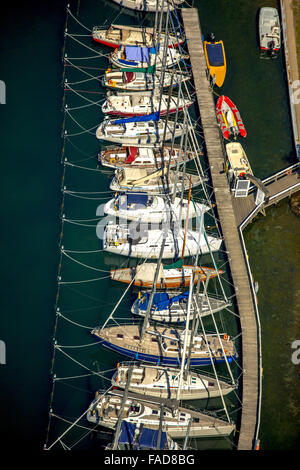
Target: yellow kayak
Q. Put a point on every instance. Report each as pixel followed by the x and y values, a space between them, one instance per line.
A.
pixel 216 60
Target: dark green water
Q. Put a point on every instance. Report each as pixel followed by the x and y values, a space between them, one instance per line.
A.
pixel 31 150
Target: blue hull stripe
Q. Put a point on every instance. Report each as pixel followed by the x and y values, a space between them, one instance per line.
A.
pixel 160 360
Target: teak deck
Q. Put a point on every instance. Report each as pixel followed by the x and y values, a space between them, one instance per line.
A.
pixel 250 395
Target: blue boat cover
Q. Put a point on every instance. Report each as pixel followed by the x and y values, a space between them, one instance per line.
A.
pixel 137 198
pixel 148 117
pixel 148 438
pixel 215 54
pixel 138 54
pixel 161 300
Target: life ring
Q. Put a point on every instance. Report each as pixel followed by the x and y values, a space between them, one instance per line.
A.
pixel 112 160
pixel 110 82
pixel 225 337
pixel 288 172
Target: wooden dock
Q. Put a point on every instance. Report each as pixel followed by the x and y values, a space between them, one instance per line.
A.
pixel 282 184
pixel 226 214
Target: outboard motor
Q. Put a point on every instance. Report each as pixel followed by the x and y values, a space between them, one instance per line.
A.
pixel 271 46
pixel 212 37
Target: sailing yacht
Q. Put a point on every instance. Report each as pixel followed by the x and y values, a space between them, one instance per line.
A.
pixel 120 35
pixel 150 5
pixel 140 133
pixel 163 382
pixel 145 157
pixel 164 346
pixel 118 79
pixel 145 411
pixel 144 59
pixel 162 181
pixel 144 103
pixel 173 308
pixel 148 208
pixel 170 276
pixel 136 241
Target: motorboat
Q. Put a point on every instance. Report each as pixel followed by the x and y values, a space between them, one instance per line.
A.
pixel 120 35
pixel 164 346
pixel 163 181
pixel 229 118
pixel 145 412
pixel 216 60
pixel 144 103
pixel 163 382
pixel 269 30
pixel 149 5
pixel 172 276
pixel 130 131
pixel 141 81
pixel 135 240
pixel 172 308
pixel 238 163
pixel 147 208
pixel 145 157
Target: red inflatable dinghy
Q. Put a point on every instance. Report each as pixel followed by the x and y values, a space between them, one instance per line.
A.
pixel 229 118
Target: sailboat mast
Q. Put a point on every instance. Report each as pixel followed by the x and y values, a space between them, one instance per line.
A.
pixel 185 336
pixel 187 219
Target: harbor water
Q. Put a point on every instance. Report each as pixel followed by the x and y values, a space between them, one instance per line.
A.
pixel 32 121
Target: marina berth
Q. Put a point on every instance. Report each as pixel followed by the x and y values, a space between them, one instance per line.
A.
pixel 216 60
pixel 163 382
pixel 147 208
pixel 144 58
pixel 141 81
pixel 269 30
pixel 145 412
pixel 120 35
pixel 173 308
pixel 169 277
pixel 229 118
pixel 164 346
pixel 136 241
pixel 144 157
pixel 162 181
pixel 149 5
pixel 130 131
pixel 142 104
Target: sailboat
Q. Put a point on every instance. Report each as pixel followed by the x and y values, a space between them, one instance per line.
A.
pixel 147 208
pixel 163 382
pixel 172 276
pixel 144 157
pixel 173 308
pixel 149 5
pixel 142 104
pixel 138 131
pixel 120 35
pixel 164 346
pixel 145 411
pixel 118 79
pixel 162 181
pixel 136 241
pixel 144 59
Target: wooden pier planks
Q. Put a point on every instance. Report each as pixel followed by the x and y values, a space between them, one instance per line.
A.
pixel 250 395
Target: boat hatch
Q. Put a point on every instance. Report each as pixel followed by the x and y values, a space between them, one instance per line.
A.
pixel 215 54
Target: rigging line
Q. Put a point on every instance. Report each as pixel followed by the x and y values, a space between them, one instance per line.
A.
pixel 91 103
pixel 82 264
pixel 82 225
pixel 81 167
pixel 82 282
pixel 74 18
pixel 81 69
pixel 57 379
pixel 81 151
pixel 87 192
pixel 79 125
pixel 78 346
pixel 73 322
pixel 91 77
pixel 87 198
pixel 86 46
pixel 81 220
pixel 76 421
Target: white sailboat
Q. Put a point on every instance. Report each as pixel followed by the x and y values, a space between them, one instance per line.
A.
pixel 163 382
pixel 145 103
pixel 136 241
pixel 140 81
pixel 148 208
pixel 141 58
pixel 149 5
